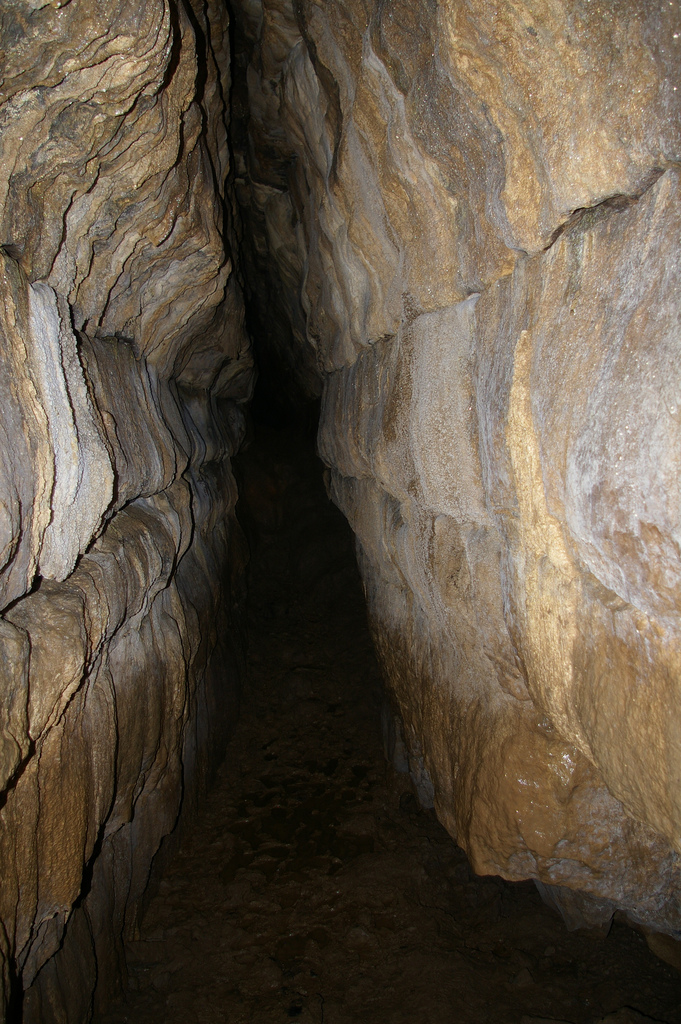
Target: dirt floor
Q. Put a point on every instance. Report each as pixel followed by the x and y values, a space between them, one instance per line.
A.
pixel 312 888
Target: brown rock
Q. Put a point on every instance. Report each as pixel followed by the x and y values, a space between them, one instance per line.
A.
pixel 485 206
pixel 466 219
pixel 666 947
pixel 124 363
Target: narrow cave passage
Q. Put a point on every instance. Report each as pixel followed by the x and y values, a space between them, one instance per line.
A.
pixel 458 223
pixel 313 887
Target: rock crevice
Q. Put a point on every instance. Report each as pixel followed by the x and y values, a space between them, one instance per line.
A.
pixel 456 223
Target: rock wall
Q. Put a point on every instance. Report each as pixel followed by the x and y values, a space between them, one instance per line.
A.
pixel 478 206
pixel 124 366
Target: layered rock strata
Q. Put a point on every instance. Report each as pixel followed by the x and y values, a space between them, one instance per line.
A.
pixel 124 369
pixel 479 206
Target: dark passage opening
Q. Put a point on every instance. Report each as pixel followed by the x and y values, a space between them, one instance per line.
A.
pixel 313 886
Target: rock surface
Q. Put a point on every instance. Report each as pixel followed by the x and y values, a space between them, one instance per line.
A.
pixel 124 368
pixel 479 205
pixel 311 885
pixel 460 224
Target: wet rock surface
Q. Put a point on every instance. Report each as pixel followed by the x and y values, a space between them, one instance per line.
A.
pixel 312 886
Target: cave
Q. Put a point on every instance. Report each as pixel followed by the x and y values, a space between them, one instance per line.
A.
pixel 341 422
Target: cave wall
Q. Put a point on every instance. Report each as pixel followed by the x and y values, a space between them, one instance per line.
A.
pixel 124 369
pixel 478 208
pixel 460 225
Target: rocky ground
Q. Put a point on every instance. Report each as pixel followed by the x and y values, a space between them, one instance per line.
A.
pixel 312 887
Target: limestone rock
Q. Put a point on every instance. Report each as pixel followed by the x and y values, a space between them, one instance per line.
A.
pixel 14 738
pixel 583 483
pixel 468 218
pixel 484 202
pixel 124 367
pixel 437 144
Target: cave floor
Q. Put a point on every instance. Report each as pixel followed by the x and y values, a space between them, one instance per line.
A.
pixel 311 887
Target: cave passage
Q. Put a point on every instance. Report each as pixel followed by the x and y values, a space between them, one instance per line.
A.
pixel 313 887
pixel 456 226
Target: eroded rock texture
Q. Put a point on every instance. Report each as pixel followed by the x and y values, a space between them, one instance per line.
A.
pixel 479 207
pixel 124 365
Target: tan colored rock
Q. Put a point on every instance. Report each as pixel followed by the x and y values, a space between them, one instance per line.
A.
pixel 488 203
pixel 62 455
pixel 665 947
pixel 587 471
pixel 27 462
pixel 14 738
pixel 469 217
pixel 437 146
pixel 124 366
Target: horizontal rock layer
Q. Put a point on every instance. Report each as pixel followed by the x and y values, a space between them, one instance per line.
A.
pixel 124 370
pixel 484 206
